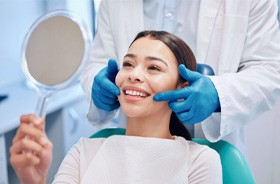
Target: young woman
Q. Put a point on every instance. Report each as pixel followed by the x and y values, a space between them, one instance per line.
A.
pixel 156 147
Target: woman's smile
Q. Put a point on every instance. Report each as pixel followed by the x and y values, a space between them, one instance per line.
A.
pixel 133 93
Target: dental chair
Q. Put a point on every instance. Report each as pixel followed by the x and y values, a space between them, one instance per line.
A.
pixel 205 69
pixel 235 167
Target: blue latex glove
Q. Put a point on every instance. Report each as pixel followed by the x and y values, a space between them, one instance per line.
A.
pixel 104 90
pixel 193 103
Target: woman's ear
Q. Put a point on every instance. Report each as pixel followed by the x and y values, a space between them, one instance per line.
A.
pixel 182 85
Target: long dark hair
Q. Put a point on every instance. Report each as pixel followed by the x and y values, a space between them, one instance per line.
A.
pixel 185 56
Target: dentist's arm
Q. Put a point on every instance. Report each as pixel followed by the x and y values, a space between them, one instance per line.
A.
pixel 200 98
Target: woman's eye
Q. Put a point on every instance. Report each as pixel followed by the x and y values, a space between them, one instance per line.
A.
pixel 127 64
pixel 154 67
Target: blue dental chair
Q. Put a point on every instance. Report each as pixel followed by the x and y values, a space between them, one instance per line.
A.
pixel 204 69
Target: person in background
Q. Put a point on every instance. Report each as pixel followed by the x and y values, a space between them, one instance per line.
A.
pixel 239 39
pixel 152 128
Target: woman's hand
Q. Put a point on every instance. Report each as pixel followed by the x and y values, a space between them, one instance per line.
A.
pixel 31 150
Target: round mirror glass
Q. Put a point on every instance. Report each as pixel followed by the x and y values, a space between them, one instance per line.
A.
pixel 54 52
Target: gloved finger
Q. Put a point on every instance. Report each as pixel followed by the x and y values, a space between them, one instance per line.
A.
pixel 113 106
pixel 106 84
pixel 112 69
pixel 104 99
pixel 182 105
pixel 98 90
pixel 187 74
pixel 187 116
pixel 106 107
pixel 173 95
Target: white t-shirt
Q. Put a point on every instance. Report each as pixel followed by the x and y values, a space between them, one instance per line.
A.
pixel 141 160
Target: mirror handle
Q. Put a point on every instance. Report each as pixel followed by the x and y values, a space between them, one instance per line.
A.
pixel 41 105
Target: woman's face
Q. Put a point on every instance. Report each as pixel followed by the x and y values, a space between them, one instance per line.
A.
pixel 149 67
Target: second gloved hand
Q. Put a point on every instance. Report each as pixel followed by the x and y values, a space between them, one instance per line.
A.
pixel 194 103
pixel 104 90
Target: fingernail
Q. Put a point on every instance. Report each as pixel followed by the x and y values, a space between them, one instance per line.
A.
pixel 43 141
pixel 37 121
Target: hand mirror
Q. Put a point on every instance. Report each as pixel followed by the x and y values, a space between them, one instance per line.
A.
pixel 54 52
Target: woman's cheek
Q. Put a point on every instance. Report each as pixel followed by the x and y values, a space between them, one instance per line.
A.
pixel 162 85
pixel 118 79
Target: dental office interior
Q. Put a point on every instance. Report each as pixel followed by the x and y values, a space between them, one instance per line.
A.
pixel 66 112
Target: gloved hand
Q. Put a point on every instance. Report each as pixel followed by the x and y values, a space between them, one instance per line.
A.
pixel 104 90
pixel 193 103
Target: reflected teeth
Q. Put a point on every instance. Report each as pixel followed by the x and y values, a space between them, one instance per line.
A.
pixel 134 93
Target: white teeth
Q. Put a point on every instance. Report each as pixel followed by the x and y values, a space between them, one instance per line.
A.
pixel 135 93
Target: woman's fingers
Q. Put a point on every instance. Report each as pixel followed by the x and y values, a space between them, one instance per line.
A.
pixel 32 119
pixel 30 126
pixel 26 145
pixel 27 130
pixel 23 160
pixel 31 150
pixel 29 142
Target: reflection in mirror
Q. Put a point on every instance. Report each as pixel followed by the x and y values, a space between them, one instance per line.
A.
pixel 54 52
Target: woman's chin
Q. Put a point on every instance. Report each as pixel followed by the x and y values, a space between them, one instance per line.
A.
pixel 132 112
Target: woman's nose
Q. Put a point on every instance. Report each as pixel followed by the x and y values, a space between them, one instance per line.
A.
pixel 136 75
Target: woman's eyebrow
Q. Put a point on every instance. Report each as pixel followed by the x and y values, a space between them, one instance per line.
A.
pixel 151 58
pixel 130 55
pixel 148 58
